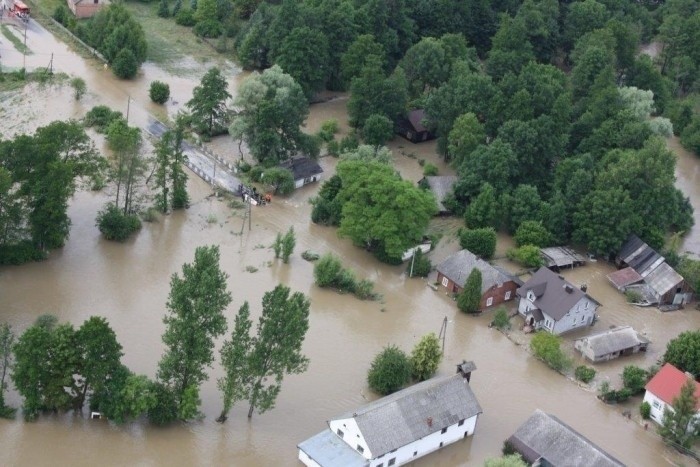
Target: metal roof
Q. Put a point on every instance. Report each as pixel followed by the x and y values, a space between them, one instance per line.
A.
pixel 663 279
pixel 415 412
pixel 441 186
pixel 624 277
pixel 458 266
pixel 302 167
pixel 328 450
pixel 614 340
pixel 554 295
pixel 544 436
pixel 561 256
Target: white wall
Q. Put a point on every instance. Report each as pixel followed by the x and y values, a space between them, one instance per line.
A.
pixel 657 413
pixel 306 460
pixel 426 445
pixel 578 316
pixel 351 435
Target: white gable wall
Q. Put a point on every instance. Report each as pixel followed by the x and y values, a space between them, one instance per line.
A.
pixel 658 407
pixel 306 460
pixel 351 435
pixel 430 443
pixel 579 315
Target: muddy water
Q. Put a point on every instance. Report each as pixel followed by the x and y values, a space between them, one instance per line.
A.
pixel 688 180
pixel 128 284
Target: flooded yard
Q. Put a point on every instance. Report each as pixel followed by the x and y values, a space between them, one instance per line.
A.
pixel 129 283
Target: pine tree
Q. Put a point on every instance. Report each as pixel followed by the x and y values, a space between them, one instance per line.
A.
pixel 277 246
pixel 469 299
pixel 680 427
pixel 163 169
pixel 180 198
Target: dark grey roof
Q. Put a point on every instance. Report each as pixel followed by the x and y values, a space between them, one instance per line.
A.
pixel 640 256
pixel 441 186
pixel 327 450
pixel 545 436
pixel 415 412
pixel 458 266
pixel 561 256
pixel 614 340
pixel 632 244
pixel 302 167
pixel 554 295
pixel 415 117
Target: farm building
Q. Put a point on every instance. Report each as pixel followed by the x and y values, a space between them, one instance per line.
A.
pixel 304 170
pixel 496 285
pixel 611 344
pixel 560 257
pixel 646 271
pixel 399 428
pixel 86 8
pixel 440 186
pixel 666 386
pixel 544 440
pixel 411 127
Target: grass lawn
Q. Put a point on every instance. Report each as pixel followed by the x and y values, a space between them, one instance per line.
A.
pixel 16 41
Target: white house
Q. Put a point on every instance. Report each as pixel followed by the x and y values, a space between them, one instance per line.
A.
pixel 611 344
pixel 664 387
pixel 398 428
pixel 303 169
pixel 548 301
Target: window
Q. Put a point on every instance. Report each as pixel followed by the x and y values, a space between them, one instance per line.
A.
pixel 444 430
pixel 392 461
pixel 441 443
pixel 656 404
pixel 507 297
pixel 360 449
pixel 340 432
pixel 445 281
pixel 415 453
pixel 489 301
pixel 461 422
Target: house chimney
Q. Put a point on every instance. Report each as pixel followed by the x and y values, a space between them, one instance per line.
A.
pixel 584 287
pixel 568 288
pixel 465 369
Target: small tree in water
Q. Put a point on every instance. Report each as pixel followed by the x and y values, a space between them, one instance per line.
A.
pixel 390 371
pixel 426 357
pixel 680 427
pixel 7 339
pixel 288 243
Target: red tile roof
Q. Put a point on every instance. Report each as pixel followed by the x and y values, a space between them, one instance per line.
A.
pixel 667 383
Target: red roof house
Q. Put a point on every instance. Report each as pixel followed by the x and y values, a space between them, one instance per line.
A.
pixel 664 387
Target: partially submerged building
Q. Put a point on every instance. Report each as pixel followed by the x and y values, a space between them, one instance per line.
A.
pixel 399 428
pixel 303 169
pixel 664 387
pixel 412 128
pixel 611 344
pixel 647 272
pixel 544 440
pixel 441 186
pixel 496 285
pixel 561 257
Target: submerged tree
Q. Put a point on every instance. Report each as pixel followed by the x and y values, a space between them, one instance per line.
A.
pixel 276 349
pixel 195 318
pixel 680 426
pixel 425 357
pixel 7 339
pixel 208 103
pixel 235 355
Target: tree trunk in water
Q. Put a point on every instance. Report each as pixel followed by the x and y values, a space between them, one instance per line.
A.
pixel 223 417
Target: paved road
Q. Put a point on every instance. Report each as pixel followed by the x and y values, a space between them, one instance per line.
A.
pixel 207 165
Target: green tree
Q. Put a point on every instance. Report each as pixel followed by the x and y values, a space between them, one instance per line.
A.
pixel 634 378
pixel 584 373
pixel 304 55
pixel 466 135
pixel 469 299
pixel 381 211
pixel 277 245
pixel 426 66
pixel 377 130
pixel 527 255
pixel 690 270
pixel 279 180
pixel 276 349
pixel 680 426
pixel 235 354
pixel 363 50
pixel 690 136
pixel 425 357
pixel 481 242
pixel 289 241
pixel 125 65
pixel 547 347
pixel 195 319
pixel 532 233
pixel 683 352
pixel 372 92
pixel 525 205
pixel 494 164
pixel 159 92
pixel 178 177
pixel 163 163
pixel 510 460
pixel 128 165
pixel 208 103
pixel 271 108
pixel 420 265
pixel 511 48
pixel 390 371
pixel 79 87
pixel 7 339
pixel 483 211
pixel 583 17
pixel 501 319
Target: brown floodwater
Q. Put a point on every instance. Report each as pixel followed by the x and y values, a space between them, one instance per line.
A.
pixel 129 283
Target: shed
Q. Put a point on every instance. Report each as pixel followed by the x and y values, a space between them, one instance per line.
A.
pixel 623 278
pixel 441 186
pixel 304 170
pixel 86 8
pixel 559 257
pixel 411 127
pixel 545 440
pixel 611 344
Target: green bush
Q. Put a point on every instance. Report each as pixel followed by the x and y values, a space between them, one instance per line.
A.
pixel 469 299
pixel 159 92
pixel 328 129
pixel 547 347
pixel 79 87
pixel 430 170
pixel 527 255
pixel 634 379
pixel 256 173
pixel 645 410
pixel 390 371
pixel 501 319
pixel 279 180
pixel 481 242
pixel 125 65
pixel 208 28
pixel 185 18
pixel 333 148
pixel 584 373
pixel 329 272
pixel 20 253
pixel 100 117
pixel 163 10
pixel 633 296
pixel 532 233
pixel 115 225
pixel 419 265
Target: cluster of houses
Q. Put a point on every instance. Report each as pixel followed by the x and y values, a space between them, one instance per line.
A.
pixel 416 421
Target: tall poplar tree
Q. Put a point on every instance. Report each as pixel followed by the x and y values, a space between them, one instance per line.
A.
pixel 208 103
pixel 194 319
pixel 680 426
pixel 235 354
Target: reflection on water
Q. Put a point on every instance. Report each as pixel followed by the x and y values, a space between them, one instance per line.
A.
pixel 128 283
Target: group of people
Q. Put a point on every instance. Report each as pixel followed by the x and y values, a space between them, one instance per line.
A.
pixel 251 193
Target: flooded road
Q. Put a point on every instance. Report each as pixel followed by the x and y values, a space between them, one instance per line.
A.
pixel 129 283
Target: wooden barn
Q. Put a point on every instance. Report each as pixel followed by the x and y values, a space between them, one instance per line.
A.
pixel 411 127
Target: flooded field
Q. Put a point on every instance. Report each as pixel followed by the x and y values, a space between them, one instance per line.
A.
pixel 129 283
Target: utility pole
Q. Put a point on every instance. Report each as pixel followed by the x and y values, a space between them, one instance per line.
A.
pixel 413 260
pixel 443 333
pixel 51 65
pixel 128 105
pixel 24 50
